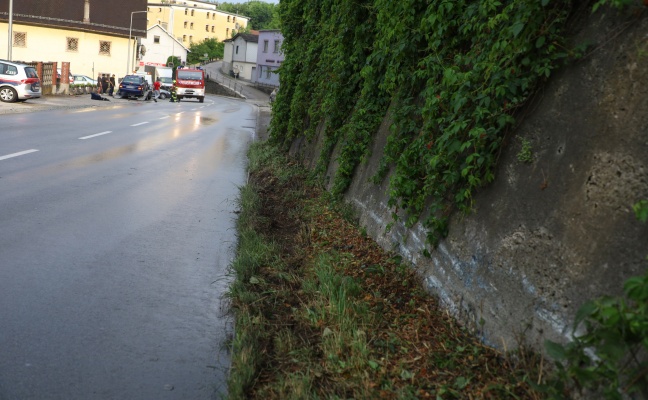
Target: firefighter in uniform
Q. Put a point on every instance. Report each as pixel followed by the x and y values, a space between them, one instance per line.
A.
pixel 174 93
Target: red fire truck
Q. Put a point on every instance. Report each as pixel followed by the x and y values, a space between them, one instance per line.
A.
pixel 190 83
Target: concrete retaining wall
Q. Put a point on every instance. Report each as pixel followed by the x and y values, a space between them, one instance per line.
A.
pixel 549 235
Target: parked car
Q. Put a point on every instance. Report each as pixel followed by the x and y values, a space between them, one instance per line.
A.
pixel 164 94
pixel 58 77
pixel 18 82
pixel 84 80
pixel 134 86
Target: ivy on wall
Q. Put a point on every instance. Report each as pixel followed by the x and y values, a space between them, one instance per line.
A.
pixel 451 74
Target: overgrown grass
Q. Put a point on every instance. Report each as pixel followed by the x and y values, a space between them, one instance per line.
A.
pixel 323 312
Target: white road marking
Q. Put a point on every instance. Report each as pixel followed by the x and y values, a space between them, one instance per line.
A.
pixel 193 109
pixel 20 153
pixel 181 112
pixel 95 135
pixel 165 117
pixel 141 123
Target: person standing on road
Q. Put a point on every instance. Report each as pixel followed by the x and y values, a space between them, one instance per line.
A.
pixel 104 83
pixel 99 83
pixel 156 89
pixel 174 93
pixel 111 85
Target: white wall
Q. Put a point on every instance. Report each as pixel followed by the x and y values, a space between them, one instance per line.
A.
pixel 251 52
pixel 44 44
pixel 158 53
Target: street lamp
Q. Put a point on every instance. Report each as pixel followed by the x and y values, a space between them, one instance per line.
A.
pixel 130 31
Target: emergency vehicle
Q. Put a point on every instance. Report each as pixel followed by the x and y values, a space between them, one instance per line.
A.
pixel 190 83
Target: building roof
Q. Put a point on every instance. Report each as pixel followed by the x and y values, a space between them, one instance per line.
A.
pixel 170 35
pixel 111 17
pixel 248 37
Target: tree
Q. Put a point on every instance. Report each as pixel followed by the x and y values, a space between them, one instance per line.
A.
pixel 262 15
pixel 211 46
pixel 173 59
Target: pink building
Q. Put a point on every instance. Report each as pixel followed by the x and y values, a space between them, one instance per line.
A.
pixel 269 57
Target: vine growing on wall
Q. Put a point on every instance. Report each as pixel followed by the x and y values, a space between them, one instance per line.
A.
pixel 450 73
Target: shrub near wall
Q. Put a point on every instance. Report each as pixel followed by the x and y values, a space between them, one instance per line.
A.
pixel 452 74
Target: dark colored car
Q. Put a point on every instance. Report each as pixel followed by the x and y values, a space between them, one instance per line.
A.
pixel 134 86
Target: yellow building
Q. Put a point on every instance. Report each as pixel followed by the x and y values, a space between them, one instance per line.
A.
pixel 193 21
pixel 93 36
pixel 88 53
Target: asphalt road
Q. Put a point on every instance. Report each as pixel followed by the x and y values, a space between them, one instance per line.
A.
pixel 117 229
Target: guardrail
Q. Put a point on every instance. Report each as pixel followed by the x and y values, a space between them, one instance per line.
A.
pixel 228 83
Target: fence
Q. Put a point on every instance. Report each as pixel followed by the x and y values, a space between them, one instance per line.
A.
pixel 229 83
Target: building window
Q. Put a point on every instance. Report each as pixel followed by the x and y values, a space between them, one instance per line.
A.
pixel 236 49
pixel 268 72
pixel 185 24
pixel 165 25
pixel 207 15
pixel 228 18
pixel 160 9
pixel 156 39
pixel 227 32
pixel 148 9
pixel 212 28
pixel 191 39
pixel 276 47
pixel 104 48
pixel 234 19
pixel 191 26
pixel 186 11
pixel 207 28
pixel 192 13
pixel 265 46
pixel 20 39
pixel 72 44
pixel 214 16
pixel 184 38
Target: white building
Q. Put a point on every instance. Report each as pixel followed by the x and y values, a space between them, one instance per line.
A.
pixel 240 55
pixel 160 45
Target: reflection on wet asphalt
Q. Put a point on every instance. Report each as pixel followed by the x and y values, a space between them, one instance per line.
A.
pixel 114 253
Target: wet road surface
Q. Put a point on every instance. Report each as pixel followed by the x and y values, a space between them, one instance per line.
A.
pixel 117 231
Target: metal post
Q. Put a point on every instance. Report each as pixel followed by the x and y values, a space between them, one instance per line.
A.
pixel 10 39
pixel 130 32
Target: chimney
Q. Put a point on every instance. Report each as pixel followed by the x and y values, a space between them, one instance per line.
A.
pixel 86 12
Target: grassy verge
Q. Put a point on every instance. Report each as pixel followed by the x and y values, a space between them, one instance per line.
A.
pixel 323 312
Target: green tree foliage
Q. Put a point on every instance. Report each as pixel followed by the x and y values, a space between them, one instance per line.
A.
pixel 211 46
pixel 451 75
pixel 262 15
pixel 173 59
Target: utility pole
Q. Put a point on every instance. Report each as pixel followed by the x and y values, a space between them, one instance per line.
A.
pixel 10 38
pixel 130 32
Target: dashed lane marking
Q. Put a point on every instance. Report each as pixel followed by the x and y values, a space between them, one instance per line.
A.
pixel 95 135
pixel 141 123
pixel 20 153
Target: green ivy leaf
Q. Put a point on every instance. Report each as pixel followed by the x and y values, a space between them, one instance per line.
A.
pixel 641 210
pixel 517 28
pixel 555 350
pixel 585 311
